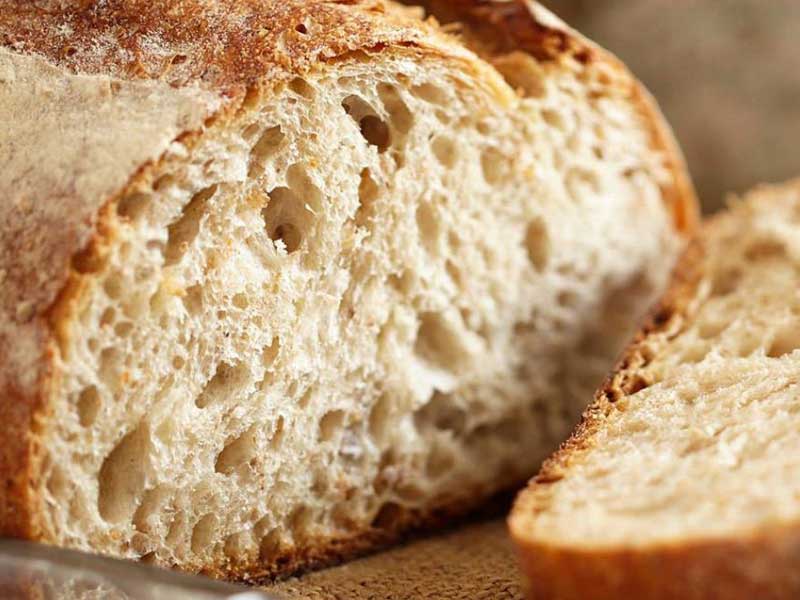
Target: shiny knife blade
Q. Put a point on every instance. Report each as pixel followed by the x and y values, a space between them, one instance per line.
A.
pixel 35 570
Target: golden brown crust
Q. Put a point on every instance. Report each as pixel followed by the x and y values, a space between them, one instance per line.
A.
pixel 223 45
pixel 226 49
pixel 762 564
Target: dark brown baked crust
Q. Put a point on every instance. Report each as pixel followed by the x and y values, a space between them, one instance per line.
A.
pixel 762 564
pixel 233 49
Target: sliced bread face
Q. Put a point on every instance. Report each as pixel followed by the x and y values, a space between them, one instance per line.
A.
pixel 362 291
pixel 681 481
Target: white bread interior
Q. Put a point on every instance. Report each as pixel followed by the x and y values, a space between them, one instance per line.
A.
pixel 389 285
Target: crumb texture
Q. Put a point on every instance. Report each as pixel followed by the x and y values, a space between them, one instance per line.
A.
pixel 381 288
pixel 708 447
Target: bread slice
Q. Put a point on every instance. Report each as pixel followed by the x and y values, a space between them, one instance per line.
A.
pixel 284 279
pixel 681 481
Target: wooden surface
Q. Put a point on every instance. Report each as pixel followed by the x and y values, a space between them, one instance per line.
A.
pixel 474 562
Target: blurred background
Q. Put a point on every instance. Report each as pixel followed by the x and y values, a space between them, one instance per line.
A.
pixel 726 73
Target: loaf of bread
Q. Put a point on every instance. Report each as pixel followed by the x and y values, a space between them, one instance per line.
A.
pixel 283 279
pixel 681 481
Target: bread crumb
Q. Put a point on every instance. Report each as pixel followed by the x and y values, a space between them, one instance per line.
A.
pixel 25 311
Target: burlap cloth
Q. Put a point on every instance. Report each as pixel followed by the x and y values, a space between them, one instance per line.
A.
pixel 473 562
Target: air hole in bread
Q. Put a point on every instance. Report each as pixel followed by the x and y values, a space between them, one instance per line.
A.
pixel 193 300
pixel 330 424
pixel 203 533
pixel 695 353
pixel 445 151
pixel 554 119
pixel 301 87
pixel 88 405
pixel 305 398
pixel 537 243
pixel 454 272
pixel 87 261
pixel 164 182
pixel 567 298
pixel 238 545
pixel 379 418
pixel 440 343
pixel 373 129
pixel 785 341
pixel 251 131
pixel 277 434
pixel 300 521
pixel 388 517
pixel 410 491
pixel 237 452
pixel 321 482
pixel 375 132
pixel 301 28
pixel 711 326
pixel 725 281
pixel 177 529
pixel 112 285
pixel 522 72
pixel 431 93
pixel 494 166
pixel 240 301
pixel 367 195
pixel 284 216
pixel 440 461
pixel 133 206
pixel 122 477
pixel 765 249
pixel 270 352
pixel 265 148
pixel 183 231
pixel 441 412
pixel 270 546
pixel 108 317
pixel 57 483
pixel 400 117
pixel 747 344
pixel 428 225
pixel 226 382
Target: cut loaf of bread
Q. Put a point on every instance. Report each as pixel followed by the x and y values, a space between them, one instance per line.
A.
pixel 682 480
pixel 282 279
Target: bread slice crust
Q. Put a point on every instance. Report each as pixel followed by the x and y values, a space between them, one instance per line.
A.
pixel 756 562
pixel 43 274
